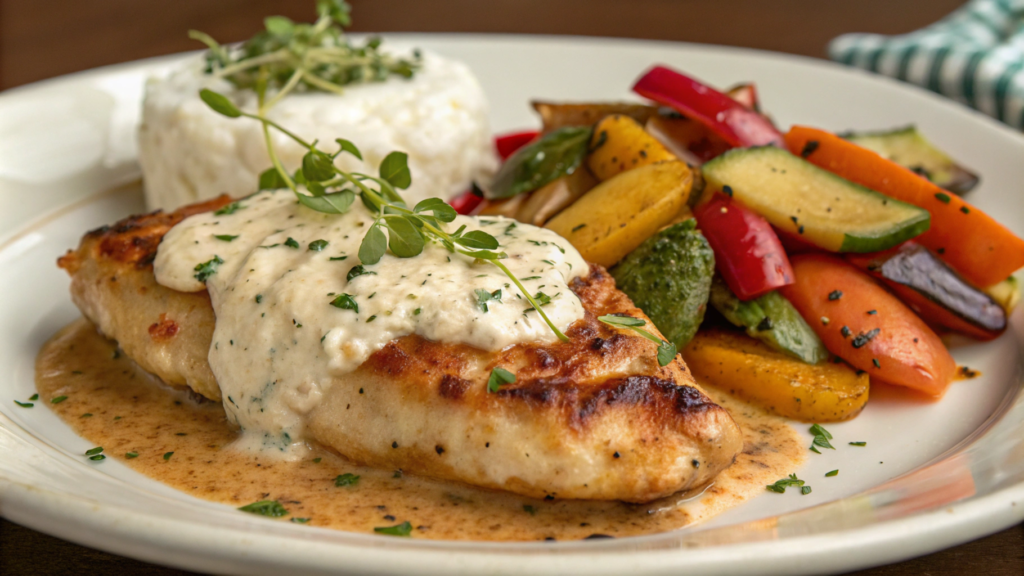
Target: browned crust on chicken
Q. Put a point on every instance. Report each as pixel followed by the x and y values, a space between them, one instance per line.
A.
pixel 601 417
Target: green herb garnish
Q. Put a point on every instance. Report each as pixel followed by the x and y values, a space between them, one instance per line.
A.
pixel 483 297
pixel 821 438
pixel 228 209
pixel 318 245
pixel 24 404
pixel 58 399
pixel 403 529
pixel 666 350
pixel 345 302
pixel 499 377
pixel 832 473
pixel 346 479
pixel 271 508
pixel 97 457
pixel 781 485
pixel 333 191
pixel 94 451
pixel 130 455
pixel 33 397
pixel 167 455
pixel 291 243
pixel 225 237
pixel 300 520
pixel 805 490
pixel 858 443
pixel 289 55
pixel 208 268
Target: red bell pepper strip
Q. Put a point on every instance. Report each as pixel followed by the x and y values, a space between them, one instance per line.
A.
pixel 507 144
pixel 734 122
pixel 466 202
pixel 748 253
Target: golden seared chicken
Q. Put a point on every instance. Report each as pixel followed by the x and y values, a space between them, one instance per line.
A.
pixel 592 418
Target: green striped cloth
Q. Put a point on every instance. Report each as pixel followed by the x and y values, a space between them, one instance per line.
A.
pixel 974 56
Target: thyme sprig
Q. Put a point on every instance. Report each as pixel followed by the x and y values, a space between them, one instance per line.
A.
pixel 303 56
pixel 333 191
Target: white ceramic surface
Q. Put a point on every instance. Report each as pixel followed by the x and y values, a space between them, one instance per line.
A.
pixel 66 142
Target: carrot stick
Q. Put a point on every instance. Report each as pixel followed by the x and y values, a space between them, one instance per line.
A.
pixel 862 323
pixel 973 243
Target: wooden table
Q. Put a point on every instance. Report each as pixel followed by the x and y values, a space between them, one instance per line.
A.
pixel 45 38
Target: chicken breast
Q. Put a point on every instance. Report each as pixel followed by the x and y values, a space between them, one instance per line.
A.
pixel 592 418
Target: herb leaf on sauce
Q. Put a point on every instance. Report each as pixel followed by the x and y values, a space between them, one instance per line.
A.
pixel 270 508
pixel 206 269
pixel 345 302
pixel 403 529
pixel 346 479
pixel 225 237
pixel 780 485
pixel 483 297
pixel 821 438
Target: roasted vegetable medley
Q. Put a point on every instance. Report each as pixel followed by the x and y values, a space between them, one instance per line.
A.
pixel 829 260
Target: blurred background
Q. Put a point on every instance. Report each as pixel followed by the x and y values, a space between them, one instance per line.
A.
pixel 40 39
pixel 44 38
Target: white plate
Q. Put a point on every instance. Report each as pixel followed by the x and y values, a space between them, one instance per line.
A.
pixel 66 141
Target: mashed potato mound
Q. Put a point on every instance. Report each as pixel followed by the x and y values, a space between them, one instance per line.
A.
pixel 439 118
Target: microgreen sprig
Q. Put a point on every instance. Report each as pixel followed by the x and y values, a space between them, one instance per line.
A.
pixel 666 350
pixel 333 191
pixel 314 56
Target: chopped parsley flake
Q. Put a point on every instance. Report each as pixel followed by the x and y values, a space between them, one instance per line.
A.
pixel 130 455
pixel 499 377
pixel 835 295
pixel 58 399
pixel 346 479
pixel 858 443
pixel 805 490
pixel 781 485
pixel 225 237
pixel 228 209
pixel 337 257
pixel 271 508
pixel 94 451
pixel 821 438
pixel 318 245
pixel 291 243
pixel 206 269
pixel 358 270
pixel 832 473
pixel 403 529
pixel 167 455
pixel 942 197
pixel 24 404
pixel 483 297
pixel 345 302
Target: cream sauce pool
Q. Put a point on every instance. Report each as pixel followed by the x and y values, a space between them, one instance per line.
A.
pixel 167 435
pixel 293 310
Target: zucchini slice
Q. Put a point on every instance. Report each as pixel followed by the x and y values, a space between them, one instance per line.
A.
pixel 910 149
pixel 819 207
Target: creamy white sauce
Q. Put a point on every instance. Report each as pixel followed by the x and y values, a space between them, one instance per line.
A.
pixel 279 340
